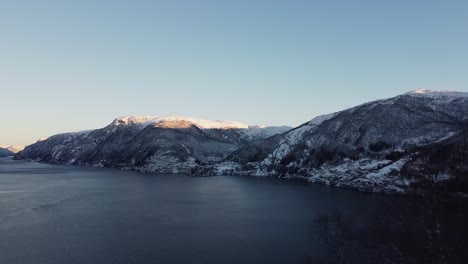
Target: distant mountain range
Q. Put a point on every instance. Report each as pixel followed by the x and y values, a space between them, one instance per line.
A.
pixel 5 152
pixel 391 145
pixel 13 148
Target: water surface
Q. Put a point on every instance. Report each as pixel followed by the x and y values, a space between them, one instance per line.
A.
pixel 63 214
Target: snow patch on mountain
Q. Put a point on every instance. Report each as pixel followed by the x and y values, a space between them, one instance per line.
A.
pixel 364 174
pixel 296 135
pixel 281 152
pixel 201 123
pixel 226 168
pixel 318 120
pixel 257 132
pixel 437 93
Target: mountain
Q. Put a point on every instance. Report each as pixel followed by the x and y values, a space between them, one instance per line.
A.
pixel 149 143
pixel 13 148
pixel 389 145
pixel 5 152
pixel 400 144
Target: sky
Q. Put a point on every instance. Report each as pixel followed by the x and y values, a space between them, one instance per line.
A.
pixel 76 65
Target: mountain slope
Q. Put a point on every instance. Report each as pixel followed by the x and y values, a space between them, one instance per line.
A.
pixel 150 143
pixel 374 146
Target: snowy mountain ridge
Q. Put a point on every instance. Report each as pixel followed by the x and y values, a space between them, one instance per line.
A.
pixel 381 145
pixel 388 145
pixel 437 93
pixel 201 123
pixel 149 143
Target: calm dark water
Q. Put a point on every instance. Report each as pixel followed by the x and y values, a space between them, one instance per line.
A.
pixel 60 214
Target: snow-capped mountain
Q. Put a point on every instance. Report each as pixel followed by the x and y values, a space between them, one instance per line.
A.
pixel 149 143
pixel 384 145
pixel 391 145
pixel 200 123
pixel 13 148
pixel 4 152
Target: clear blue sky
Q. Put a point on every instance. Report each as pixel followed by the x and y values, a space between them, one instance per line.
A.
pixel 75 65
